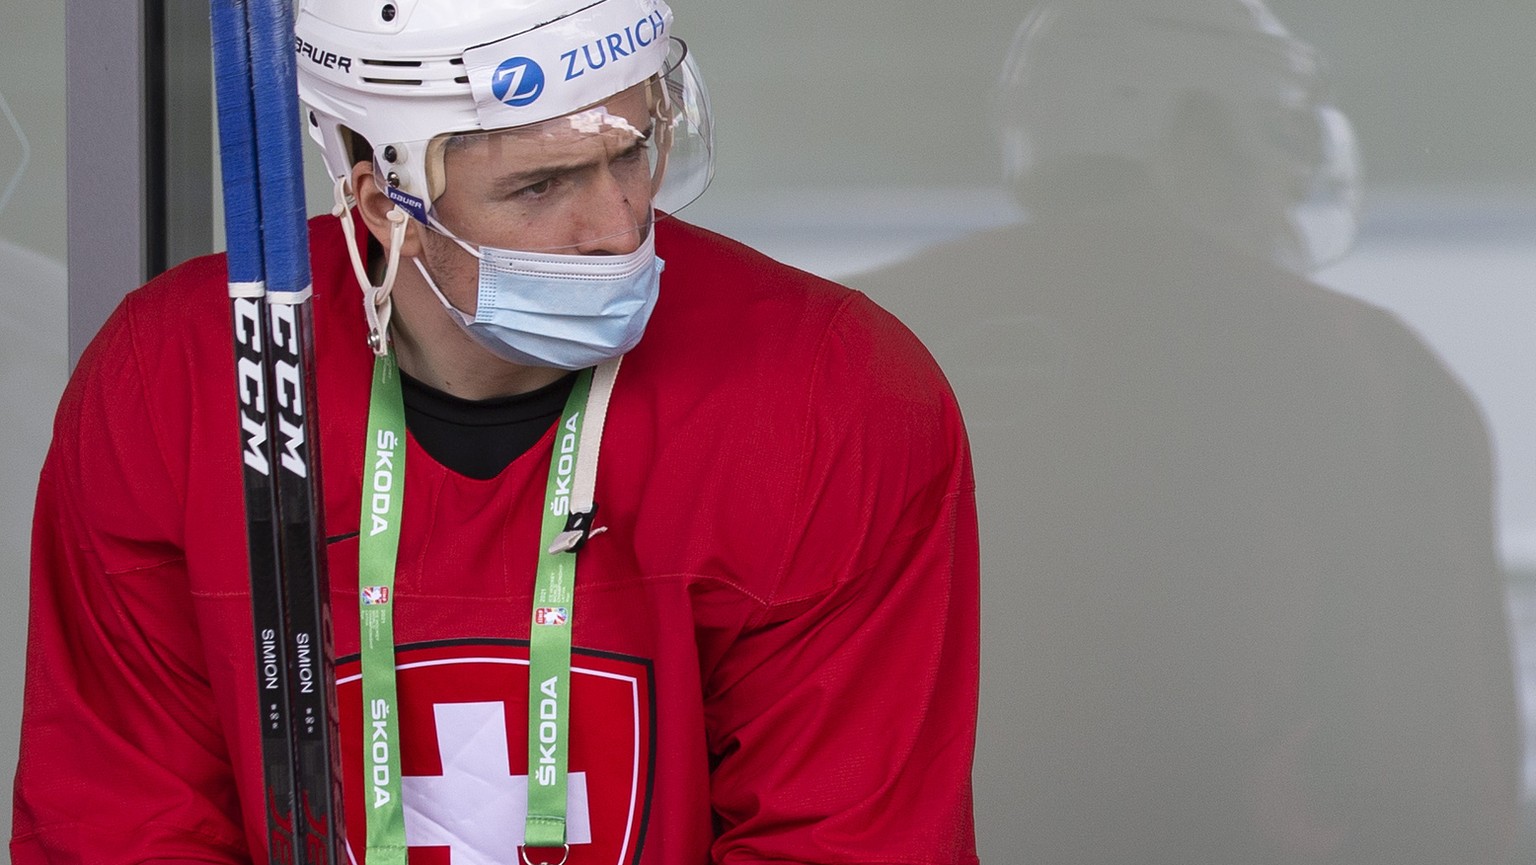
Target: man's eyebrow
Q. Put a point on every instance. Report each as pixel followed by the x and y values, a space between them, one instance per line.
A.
pixel 634 145
pixel 509 183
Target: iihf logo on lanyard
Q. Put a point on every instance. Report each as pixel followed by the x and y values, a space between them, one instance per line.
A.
pixel 550 616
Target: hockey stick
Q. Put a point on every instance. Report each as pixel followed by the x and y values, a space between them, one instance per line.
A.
pixel 301 587
pixel 306 589
pixel 247 289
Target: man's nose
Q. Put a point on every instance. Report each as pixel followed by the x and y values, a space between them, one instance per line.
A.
pixel 615 216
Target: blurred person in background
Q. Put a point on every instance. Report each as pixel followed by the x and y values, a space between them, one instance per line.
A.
pixel 1242 597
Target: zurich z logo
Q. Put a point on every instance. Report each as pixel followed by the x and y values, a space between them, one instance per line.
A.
pixel 518 82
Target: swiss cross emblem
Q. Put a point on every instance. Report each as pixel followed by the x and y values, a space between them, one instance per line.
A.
pixel 463 716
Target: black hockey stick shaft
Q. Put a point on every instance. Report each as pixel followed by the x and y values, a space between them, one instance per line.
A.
pixel 267 237
pixel 242 219
pixel 291 399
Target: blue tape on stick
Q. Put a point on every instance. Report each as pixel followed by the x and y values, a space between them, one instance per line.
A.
pixel 237 142
pixel 279 147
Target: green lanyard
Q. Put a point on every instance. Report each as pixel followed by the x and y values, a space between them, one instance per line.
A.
pixel 565 528
pixel 549 635
pixel 378 548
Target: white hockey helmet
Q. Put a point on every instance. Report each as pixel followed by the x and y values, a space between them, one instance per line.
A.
pixel 405 75
pixel 1174 94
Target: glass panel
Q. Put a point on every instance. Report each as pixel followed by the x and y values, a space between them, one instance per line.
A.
pixel 33 352
pixel 1258 507
pixel 1247 572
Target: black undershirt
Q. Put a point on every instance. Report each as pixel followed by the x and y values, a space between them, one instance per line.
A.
pixel 479 438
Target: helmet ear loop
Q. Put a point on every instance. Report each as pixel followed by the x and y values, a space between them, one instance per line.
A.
pixel 377 305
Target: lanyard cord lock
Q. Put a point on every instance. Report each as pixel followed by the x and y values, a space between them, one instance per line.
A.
pixel 578 530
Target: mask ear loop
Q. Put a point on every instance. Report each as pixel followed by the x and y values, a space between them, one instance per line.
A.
pixel 437 226
pixel 462 317
pixel 458 314
pixel 377 306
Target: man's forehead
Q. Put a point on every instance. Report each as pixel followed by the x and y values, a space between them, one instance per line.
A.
pixel 498 158
pixel 626 116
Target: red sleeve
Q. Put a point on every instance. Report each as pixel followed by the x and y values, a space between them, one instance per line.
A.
pixel 842 720
pixel 122 759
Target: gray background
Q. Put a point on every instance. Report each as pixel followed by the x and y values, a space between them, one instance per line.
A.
pixel 855 135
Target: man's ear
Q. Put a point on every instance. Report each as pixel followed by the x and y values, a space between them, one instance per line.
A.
pixel 375 206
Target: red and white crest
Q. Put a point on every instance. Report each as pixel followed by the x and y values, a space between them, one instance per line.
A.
pixel 463 722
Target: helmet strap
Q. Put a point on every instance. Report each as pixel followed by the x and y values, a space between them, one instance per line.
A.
pixel 377 306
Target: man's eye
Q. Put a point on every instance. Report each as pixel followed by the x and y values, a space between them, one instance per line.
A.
pixel 534 190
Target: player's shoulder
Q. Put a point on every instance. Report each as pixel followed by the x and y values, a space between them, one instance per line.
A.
pixel 182 317
pixel 197 288
pixel 709 267
pixel 743 307
pixel 756 337
pixel 173 336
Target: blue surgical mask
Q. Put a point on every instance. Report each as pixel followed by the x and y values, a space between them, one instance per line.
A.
pixel 562 311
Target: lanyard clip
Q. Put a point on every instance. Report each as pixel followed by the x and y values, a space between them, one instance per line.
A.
pixel 565 852
pixel 578 530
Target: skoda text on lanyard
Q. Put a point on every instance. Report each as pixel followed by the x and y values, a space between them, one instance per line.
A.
pixel 566 525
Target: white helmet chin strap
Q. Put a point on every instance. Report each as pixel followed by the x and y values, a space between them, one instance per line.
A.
pixel 377 306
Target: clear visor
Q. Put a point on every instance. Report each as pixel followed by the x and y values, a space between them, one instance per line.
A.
pixel 590 182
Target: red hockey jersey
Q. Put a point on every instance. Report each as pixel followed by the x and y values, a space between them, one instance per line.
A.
pixel 776 658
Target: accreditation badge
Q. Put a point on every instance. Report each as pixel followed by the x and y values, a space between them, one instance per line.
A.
pixel 463 747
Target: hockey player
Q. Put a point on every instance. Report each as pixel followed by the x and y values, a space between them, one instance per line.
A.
pixel 775 610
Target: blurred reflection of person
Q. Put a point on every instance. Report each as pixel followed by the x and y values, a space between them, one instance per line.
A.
pixel 33 364
pixel 1242 602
